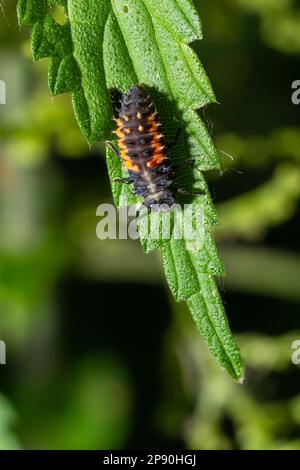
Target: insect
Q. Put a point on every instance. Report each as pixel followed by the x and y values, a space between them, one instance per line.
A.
pixel 143 150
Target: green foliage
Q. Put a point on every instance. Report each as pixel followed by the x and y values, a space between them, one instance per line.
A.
pixel 257 270
pixel 258 427
pixel 262 150
pixel 119 43
pixel 268 420
pixel 94 398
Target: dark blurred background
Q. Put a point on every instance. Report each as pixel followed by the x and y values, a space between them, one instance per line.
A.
pixel 98 354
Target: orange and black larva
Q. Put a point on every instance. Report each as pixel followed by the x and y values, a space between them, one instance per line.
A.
pixel 142 149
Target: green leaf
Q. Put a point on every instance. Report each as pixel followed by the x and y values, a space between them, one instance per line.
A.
pixel 178 16
pixel 63 75
pixel 112 45
pixel 49 38
pixel 87 20
pixel 29 12
pixel 201 147
pixel 183 266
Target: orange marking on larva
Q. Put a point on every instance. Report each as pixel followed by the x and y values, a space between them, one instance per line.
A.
pixel 141 128
pixel 125 157
pixel 130 166
pixel 154 127
pixel 119 123
pixel 124 154
pixel 127 118
pixel 156 160
pixel 139 116
pixel 127 130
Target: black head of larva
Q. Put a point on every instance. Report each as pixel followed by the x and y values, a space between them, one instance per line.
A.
pixel 135 90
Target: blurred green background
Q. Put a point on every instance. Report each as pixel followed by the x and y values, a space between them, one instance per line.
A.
pixel 98 355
